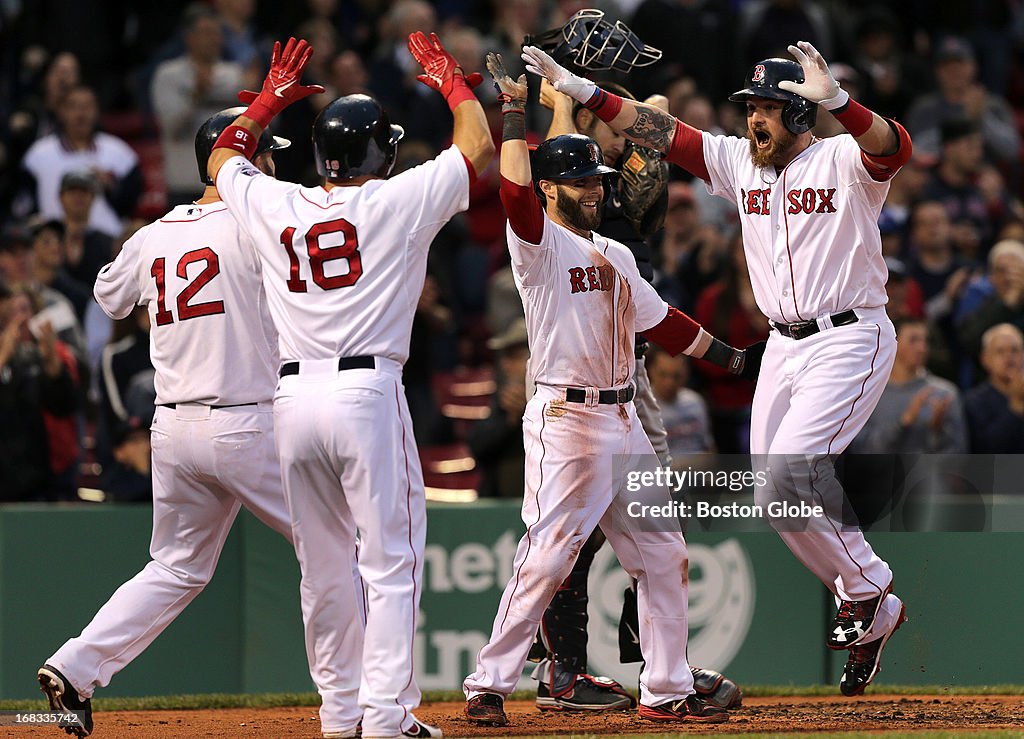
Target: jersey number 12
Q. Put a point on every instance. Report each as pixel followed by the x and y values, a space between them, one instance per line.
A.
pixel 187 310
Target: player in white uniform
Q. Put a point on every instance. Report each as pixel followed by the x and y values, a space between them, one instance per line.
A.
pixel 809 209
pixel 343 267
pixel 213 347
pixel 584 300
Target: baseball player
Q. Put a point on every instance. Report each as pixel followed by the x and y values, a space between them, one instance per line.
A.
pixel 214 352
pixel 808 210
pixel 343 266
pixel 584 301
pixel 634 210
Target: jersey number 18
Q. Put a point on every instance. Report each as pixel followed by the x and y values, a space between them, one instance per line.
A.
pixel 319 256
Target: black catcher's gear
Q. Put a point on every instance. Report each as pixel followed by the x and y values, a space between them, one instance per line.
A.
pixel 591 43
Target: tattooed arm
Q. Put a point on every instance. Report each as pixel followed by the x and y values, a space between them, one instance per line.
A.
pixel 639 122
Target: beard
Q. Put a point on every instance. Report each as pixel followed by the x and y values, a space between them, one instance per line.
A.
pixel 573 214
pixel 773 155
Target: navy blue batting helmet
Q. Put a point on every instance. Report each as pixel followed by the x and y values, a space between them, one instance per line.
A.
pixel 799 114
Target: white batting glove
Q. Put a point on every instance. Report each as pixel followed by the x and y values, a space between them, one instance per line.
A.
pixel 819 86
pixel 540 63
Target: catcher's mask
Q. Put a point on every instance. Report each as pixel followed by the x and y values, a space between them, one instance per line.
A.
pixel 594 44
pixel 799 114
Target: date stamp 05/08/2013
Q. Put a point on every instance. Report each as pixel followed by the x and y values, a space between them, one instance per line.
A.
pixel 39 718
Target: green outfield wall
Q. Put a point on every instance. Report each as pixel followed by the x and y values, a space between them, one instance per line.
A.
pixel 755 611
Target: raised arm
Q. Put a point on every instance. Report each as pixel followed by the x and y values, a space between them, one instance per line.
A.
pixel 885 143
pixel 521 205
pixel 641 123
pixel 442 73
pixel 281 88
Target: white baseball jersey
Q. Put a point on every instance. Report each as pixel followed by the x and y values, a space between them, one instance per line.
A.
pixel 344 268
pixel 172 267
pixel 810 235
pixel 584 301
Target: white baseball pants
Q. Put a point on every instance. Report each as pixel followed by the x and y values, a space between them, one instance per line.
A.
pixel 813 396
pixel 349 462
pixel 570 489
pixel 207 463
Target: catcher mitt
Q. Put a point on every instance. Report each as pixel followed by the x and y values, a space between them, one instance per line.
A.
pixel 716 689
pixel 643 184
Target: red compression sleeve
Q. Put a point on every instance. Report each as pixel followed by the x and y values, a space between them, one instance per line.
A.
pixel 883 167
pixel 523 210
pixel 469 168
pixel 676 332
pixel 237 139
pixel 688 151
pixel 605 105
pixel 855 117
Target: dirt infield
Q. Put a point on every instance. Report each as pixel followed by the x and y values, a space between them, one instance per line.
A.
pixel 882 713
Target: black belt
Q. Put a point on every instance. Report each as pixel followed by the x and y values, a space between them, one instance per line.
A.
pixel 605 397
pixel 172 406
pixel 344 363
pixel 808 328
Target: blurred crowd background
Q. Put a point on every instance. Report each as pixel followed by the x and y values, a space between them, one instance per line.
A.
pixel 101 100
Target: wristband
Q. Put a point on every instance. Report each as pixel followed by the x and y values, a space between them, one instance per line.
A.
pixel 237 139
pixel 725 356
pixel 604 105
pixel 513 125
pixel 855 117
pixel 461 92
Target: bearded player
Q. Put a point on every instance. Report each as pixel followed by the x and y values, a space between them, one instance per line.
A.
pixel 808 210
pixel 584 301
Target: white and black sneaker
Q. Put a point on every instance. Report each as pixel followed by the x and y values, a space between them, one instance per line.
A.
pixel 420 729
pixel 582 692
pixel 852 621
pixel 63 698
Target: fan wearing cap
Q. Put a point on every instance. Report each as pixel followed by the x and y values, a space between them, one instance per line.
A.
pixel 584 301
pixel 808 209
pixel 214 352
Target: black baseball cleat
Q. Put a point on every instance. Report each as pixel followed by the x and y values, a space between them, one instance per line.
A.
pixel 63 698
pixel 852 621
pixel 486 709
pixel 865 661
pixel 716 689
pixel 584 693
pixel 690 709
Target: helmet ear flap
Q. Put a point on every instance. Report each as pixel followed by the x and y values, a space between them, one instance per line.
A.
pixel 799 116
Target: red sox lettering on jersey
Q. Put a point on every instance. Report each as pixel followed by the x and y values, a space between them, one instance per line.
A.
pixel 599 277
pixel 805 200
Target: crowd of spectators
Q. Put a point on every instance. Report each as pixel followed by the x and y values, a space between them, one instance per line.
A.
pixel 101 101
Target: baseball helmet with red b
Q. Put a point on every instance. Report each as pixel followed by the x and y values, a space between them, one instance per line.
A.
pixel 799 114
pixel 568 157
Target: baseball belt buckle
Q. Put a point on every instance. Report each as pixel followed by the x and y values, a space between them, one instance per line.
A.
pixel 624 394
pixel 804 329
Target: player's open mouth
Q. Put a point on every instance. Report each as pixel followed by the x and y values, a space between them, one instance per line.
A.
pixel 589 204
pixel 762 138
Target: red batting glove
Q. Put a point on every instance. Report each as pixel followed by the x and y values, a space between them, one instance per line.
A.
pixel 440 70
pixel 281 87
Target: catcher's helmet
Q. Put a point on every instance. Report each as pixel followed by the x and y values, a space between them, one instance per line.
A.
pixel 799 114
pixel 353 136
pixel 594 44
pixel 568 157
pixel 210 131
